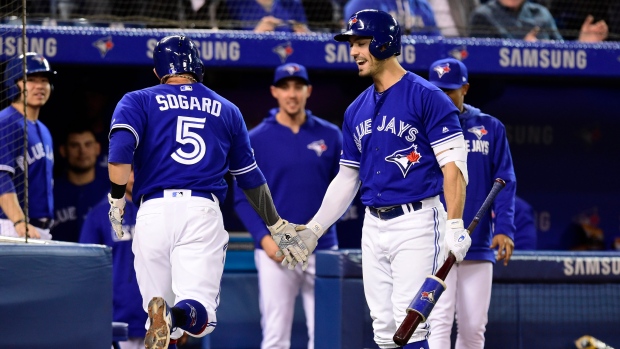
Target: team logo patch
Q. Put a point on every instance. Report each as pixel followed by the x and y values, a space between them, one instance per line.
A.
pixel 459 53
pixel 405 158
pixel 428 296
pixel 318 146
pixel 444 130
pixel 442 69
pixel 291 69
pixel 104 45
pixel 283 51
pixel 186 88
pixel 192 315
pixel 479 131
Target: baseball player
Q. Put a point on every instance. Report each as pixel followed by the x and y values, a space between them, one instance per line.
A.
pixel 298 154
pixel 468 292
pixel 81 187
pixel 40 151
pixel 403 142
pixel 127 305
pixel 182 138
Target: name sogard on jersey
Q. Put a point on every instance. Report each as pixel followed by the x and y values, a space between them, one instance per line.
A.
pixel 205 104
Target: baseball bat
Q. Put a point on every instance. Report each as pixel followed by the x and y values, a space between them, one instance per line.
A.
pixel 413 318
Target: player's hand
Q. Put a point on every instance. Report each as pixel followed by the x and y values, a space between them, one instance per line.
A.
pixel 267 24
pixel 117 210
pixel 531 36
pixel 271 249
pixel 504 245
pixel 457 239
pixel 33 233
pixel 593 32
pixel 287 239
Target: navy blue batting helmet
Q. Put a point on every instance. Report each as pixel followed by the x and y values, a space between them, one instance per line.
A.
pixel 177 54
pixel 35 64
pixel 379 25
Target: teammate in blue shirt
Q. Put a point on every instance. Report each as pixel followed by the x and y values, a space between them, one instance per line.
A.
pixel 40 155
pixel 81 187
pixel 526 234
pixel 298 154
pixel 403 144
pixel 468 294
pixel 127 305
pixel 181 138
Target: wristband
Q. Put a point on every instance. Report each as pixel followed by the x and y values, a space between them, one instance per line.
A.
pixel 117 191
pixel 23 220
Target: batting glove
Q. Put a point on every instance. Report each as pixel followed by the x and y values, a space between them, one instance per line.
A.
pixel 457 239
pixel 117 209
pixel 287 239
pixel 310 235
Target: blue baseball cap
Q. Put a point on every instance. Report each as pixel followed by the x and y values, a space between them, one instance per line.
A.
pixel 291 70
pixel 448 73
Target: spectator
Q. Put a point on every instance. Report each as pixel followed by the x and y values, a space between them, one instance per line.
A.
pixel 81 187
pixel 40 156
pixel 570 14
pixel 521 19
pixel 269 15
pixel 299 155
pixel 452 16
pixel 127 302
pixel 414 16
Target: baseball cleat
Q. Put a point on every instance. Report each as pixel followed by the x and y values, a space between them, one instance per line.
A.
pixel 158 334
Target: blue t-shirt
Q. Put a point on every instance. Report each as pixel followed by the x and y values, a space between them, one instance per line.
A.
pixel 390 137
pixel 40 159
pixel 298 168
pixel 414 16
pixel 250 12
pixel 488 158
pixel 127 301
pixel 72 203
pixel 187 137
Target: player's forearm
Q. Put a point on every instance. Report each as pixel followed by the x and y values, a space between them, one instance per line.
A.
pixel 454 190
pixel 119 173
pixel 10 207
pixel 262 202
pixel 337 199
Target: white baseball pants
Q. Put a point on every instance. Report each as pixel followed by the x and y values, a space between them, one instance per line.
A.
pixel 278 289
pixel 397 255
pixel 180 248
pixel 468 295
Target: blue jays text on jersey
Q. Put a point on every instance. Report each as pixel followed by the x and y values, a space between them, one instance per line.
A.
pixel 488 158
pixel 390 137
pixel 296 166
pixel 39 156
pixel 188 125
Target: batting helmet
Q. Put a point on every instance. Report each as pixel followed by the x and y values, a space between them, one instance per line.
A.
pixel 35 63
pixel 379 25
pixel 177 54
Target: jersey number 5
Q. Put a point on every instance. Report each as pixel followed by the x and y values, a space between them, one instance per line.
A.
pixel 185 136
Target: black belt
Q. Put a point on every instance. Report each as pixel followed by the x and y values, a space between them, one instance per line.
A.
pixel 387 213
pixel 160 194
pixel 42 223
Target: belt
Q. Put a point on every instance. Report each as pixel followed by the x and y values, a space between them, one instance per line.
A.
pixel 180 192
pixel 387 213
pixel 42 223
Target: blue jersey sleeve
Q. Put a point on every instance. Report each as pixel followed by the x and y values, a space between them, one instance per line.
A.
pixel 351 154
pixel 242 163
pixel 11 134
pixel 440 118
pixel 129 115
pixel 504 204
pixel 251 220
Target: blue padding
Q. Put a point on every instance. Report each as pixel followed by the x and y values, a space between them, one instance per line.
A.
pixel 55 296
pixel 339 264
pixel 120 331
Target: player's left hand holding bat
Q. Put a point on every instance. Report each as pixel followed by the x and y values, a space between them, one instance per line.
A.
pixel 457 239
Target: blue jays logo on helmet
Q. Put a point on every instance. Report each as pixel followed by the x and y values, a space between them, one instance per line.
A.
pixel 177 54
pixel 35 64
pixel 381 26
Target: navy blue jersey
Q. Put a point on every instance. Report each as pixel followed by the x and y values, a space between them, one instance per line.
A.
pixel 488 158
pixel 390 137
pixel 187 137
pixel 40 158
pixel 127 301
pixel 72 203
pixel 298 168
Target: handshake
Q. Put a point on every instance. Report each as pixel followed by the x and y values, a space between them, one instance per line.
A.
pixel 296 242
